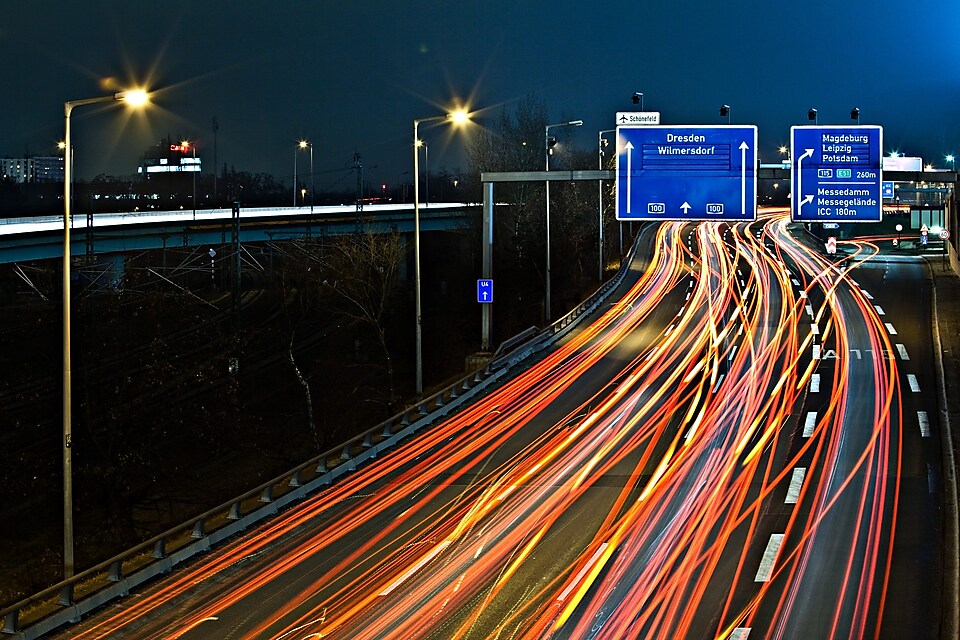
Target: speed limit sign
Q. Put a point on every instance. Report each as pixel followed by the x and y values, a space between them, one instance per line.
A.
pixel 944 234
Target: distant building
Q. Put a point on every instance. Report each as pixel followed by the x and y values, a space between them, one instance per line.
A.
pixel 167 158
pixel 35 169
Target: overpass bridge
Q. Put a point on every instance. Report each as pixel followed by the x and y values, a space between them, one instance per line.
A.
pixel 41 238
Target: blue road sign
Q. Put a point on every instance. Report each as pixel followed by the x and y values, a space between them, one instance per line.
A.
pixel 836 175
pixel 687 173
pixel 887 188
pixel 485 291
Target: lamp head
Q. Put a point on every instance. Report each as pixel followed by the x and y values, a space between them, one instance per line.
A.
pixel 635 98
pixel 133 97
pixel 459 116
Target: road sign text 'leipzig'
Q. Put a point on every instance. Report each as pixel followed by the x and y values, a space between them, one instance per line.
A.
pixel 687 173
pixel 836 174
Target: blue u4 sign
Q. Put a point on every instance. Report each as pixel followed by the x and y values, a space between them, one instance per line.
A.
pixel 687 173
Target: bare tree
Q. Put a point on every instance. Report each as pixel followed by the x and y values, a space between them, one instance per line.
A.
pixel 364 268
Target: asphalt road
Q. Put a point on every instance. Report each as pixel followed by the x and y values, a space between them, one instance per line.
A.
pixel 638 481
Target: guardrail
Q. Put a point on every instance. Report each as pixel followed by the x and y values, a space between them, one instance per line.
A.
pixel 68 600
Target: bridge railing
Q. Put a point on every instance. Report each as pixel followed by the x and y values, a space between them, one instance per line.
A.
pixel 69 599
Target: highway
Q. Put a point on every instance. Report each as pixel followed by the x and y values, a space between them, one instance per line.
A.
pixel 743 444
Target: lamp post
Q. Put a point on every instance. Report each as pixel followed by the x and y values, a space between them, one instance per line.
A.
pixel 725 112
pixel 855 115
pixel 134 98
pixel 949 159
pixel 546 154
pixel 458 117
pixel 303 144
pixel 602 142
pixel 637 98
pixel 193 170
pixel 812 116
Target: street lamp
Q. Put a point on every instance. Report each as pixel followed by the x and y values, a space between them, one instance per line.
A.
pixel 457 117
pixel 855 114
pixel 134 98
pixel 303 144
pixel 601 144
pixel 949 158
pixel 546 154
pixel 637 98
pixel 193 169
pixel 426 162
pixel 812 116
pixel 725 112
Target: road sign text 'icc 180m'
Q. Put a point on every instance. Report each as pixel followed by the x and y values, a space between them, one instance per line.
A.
pixel 836 174
pixel 687 173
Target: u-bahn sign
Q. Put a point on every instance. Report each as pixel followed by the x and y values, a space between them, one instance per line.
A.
pixel 836 174
pixel 686 173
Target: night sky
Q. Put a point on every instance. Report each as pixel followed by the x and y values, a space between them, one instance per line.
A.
pixel 352 76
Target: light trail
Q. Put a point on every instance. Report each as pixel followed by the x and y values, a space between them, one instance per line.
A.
pixel 720 342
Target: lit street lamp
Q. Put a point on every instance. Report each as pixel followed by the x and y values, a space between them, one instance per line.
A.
pixel 303 144
pixel 193 169
pixel 426 168
pixel 546 154
pixel 458 117
pixel 134 98
pixel 949 158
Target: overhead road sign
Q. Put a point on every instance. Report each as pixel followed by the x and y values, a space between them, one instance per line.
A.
pixel 887 188
pixel 628 118
pixel 836 174
pixel 686 172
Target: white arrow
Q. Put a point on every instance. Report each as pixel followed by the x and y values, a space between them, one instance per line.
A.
pixel 743 177
pixel 629 148
pixel 808 153
pixel 686 207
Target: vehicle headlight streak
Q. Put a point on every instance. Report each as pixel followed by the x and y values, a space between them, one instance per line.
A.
pixel 696 414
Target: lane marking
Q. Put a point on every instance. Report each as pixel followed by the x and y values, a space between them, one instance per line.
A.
pixel 765 572
pixel 803 294
pixel 890 328
pixel 719 380
pixel 669 329
pixel 902 350
pixel 583 571
pixel 867 294
pixel 689 293
pixel 914 384
pixel 416 567
pixel 924 424
pixel 733 350
pixel 796 483
pixel 795 282
pixel 810 424
pixel 816 351
pixel 740 633
pixel 814 329
pixel 880 311
pixel 810 311
pixel 815 383
pixel 682 309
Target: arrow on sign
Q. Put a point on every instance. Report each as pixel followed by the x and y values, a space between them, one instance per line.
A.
pixel 629 148
pixel 743 177
pixel 808 153
pixel 686 207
